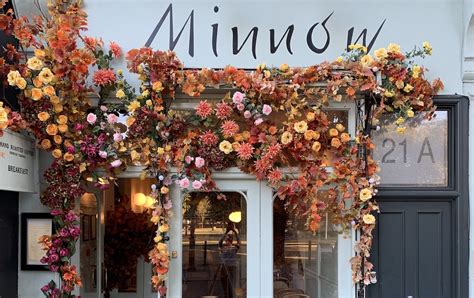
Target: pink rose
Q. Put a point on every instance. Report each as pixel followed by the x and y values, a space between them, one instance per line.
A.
pixel 184 183
pixel 112 118
pixel 258 121
pixel 237 97
pixel 91 118
pixel 118 137
pixel 103 108
pixel 103 154
pixel 188 159
pixel 197 184
pixel 247 114
pixel 168 205
pixel 199 162
pixel 240 107
pixel 116 163
pixel 266 109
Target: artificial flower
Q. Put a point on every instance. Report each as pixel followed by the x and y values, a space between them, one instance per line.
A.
pixel 427 47
pixel 381 54
pixel 310 116
pixel 229 128
pixel 184 183
pixel 245 151
pixel 408 88
pixel 410 113
pixel 340 127
pixel 58 139
pixel 366 60
pixel 12 76
pixel 393 48
pixel 45 144
pixel 316 146
pixel 45 76
pixel 197 184
pixel 203 109
pixel 415 71
pixel 62 119
pixel 345 137
pixel 199 162
pixel 164 190
pixel 116 163
pixel 333 132
pixel 266 109
pixel 286 138
pixel 368 219
pixel 91 118
pixel 399 121
pixel 36 94
pixel 335 142
pixel 157 86
pixel 68 156
pixel 226 147
pixel 401 130
pixel 223 110
pixel 284 67
pixel 34 63
pixel 365 194
pixel 20 83
pixel 40 53
pixel 120 94
pixel 112 118
pixel 43 116
pixel 237 97
pixel 104 77
pixel 115 49
pixel 49 90
pixel 300 127
pixel 52 129
pixel 57 153
pixel 133 106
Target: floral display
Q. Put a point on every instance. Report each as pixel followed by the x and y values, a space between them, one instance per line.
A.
pixel 271 123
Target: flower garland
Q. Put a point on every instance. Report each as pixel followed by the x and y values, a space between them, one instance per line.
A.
pixel 271 124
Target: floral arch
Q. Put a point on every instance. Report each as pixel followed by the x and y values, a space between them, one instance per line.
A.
pixel 272 118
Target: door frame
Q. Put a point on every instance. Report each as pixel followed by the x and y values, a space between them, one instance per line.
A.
pixel 456 192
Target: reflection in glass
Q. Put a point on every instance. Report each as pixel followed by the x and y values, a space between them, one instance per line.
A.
pixel 417 157
pixel 88 244
pixel 303 263
pixel 214 245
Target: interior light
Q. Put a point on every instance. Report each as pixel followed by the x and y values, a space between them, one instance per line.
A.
pixel 140 199
pixel 149 202
pixel 235 216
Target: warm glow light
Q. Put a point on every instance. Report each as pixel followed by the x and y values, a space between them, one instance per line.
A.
pixel 235 216
pixel 140 199
pixel 149 202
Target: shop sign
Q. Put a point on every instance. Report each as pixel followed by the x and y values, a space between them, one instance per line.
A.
pixel 18 164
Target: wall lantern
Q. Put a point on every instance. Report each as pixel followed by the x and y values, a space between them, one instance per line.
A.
pixel 235 216
pixel 140 199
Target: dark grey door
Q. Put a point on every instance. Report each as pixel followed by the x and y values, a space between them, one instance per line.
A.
pixel 412 250
pixel 9 244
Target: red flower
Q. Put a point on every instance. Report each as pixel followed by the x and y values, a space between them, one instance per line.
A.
pixel 223 110
pixel 104 77
pixel 229 128
pixel 209 138
pixel 245 151
pixel 203 109
pixel 115 49
pixel 274 177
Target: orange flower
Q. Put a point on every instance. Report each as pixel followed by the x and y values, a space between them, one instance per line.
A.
pixel 36 94
pixel 63 128
pixel 62 119
pixel 57 153
pixel 309 134
pixel 45 144
pixel 37 82
pixel 68 276
pixel 43 116
pixel 52 129
pixel 272 130
pixel 316 146
pixel 58 139
pixel 333 132
pixel 68 157
pixel 49 90
pixel 345 137
pixel 58 108
pixel 336 143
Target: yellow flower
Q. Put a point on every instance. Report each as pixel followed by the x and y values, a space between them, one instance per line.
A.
pixel 380 54
pixel 12 77
pixel 410 113
pixel 57 139
pixel 160 150
pixel 340 127
pixel 400 120
pixel 45 144
pixel 34 63
pixel 36 94
pixel 339 59
pixel 401 130
pixel 393 48
pixel 309 134
pixel 333 132
pixel 157 239
pixel 68 156
pixel 57 153
pixel 310 116
pixel 157 86
pixel 62 119
pixel 300 127
pixel 149 102
pixel 133 106
pixel 46 76
pixel 130 121
pixel 226 147
pixel 49 90
pixel 155 219
pixel 20 83
pixel 145 93
pixel 286 138
pixel 316 146
pixel 400 84
pixel 82 167
pixel 368 219
pixel 408 88
pixel 120 94
pixel 366 60
pixel 358 46
pixel 43 116
pixel 284 67
pixel 388 93
pixel 164 228
pixel 267 73
pixel 416 70
pixel 52 129
pixel 40 53
pixel 365 194
pixel 427 47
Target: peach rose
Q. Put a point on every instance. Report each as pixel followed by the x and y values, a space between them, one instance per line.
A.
pixel 68 157
pixel 58 139
pixel 36 94
pixel 45 144
pixel 57 153
pixel 63 128
pixel 49 90
pixel 43 116
pixel 52 129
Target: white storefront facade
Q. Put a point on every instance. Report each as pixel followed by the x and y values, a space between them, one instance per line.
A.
pixel 214 34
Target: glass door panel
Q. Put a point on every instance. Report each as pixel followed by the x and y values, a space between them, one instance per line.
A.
pixel 214 246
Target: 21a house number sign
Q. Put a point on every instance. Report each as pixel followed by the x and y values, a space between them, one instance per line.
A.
pixel 417 157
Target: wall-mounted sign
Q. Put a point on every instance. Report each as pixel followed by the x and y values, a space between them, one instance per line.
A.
pixel 418 157
pixel 17 162
pixel 214 33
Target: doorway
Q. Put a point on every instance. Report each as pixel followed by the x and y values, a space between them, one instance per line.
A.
pixel 9 247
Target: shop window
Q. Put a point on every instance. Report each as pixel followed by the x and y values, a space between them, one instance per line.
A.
pixel 88 244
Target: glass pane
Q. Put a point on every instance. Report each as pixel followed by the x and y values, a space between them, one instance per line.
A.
pixel 214 245
pixel 418 157
pixel 303 262
pixel 338 116
pixel 88 244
